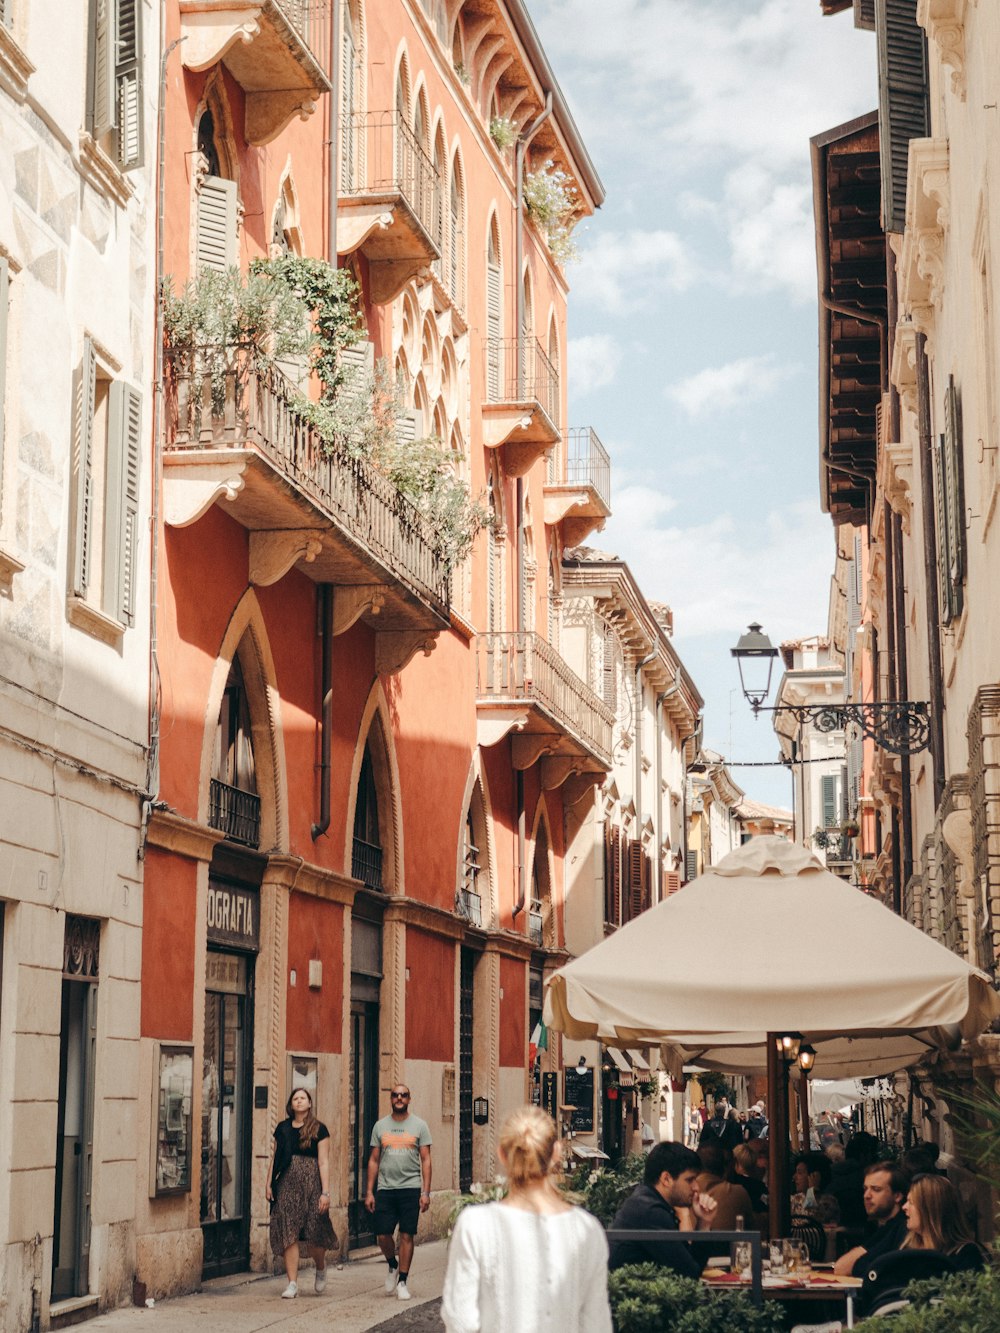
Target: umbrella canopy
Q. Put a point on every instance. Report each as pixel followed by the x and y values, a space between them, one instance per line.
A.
pixel 770 941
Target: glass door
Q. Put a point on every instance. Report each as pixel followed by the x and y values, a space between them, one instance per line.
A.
pixel 225 1111
pixel 363 1112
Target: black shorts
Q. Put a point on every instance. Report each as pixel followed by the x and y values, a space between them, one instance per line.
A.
pixel 396 1206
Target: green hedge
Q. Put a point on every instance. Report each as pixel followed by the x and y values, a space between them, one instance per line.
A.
pixel 646 1298
pixel 967 1303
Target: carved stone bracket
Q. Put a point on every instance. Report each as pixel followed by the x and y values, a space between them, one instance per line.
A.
pixel 527 750
pixel 390 276
pixel 268 113
pixel 556 769
pixel 895 478
pixel 351 603
pixel 944 21
pixel 930 161
pixel 493 725
pixel 195 479
pixel 559 502
pixel 904 364
pixel 272 554
pixel 395 648
pixel 209 30
pixel 357 221
pixel 8 568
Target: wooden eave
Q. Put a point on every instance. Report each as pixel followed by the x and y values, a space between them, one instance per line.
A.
pixel 851 279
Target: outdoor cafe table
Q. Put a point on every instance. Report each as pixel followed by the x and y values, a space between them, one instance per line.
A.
pixel 821 1286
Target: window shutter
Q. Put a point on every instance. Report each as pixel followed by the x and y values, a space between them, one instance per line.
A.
pixel 690 866
pixel 954 503
pixel 864 14
pixel 349 128
pixel 635 877
pixel 903 112
pixel 671 882
pixel 4 314
pixel 453 228
pixel 7 13
pixel 102 108
pixel 829 789
pixel 616 876
pixel 83 475
pixel 128 81
pixel 122 501
pixel 494 331
pixel 358 361
pixel 406 427
pixel 215 243
pixel 647 883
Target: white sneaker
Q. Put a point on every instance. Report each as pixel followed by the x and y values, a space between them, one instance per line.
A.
pixel 402 1292
pixel 290 1292
pixel 320 1281
pixel 392 1278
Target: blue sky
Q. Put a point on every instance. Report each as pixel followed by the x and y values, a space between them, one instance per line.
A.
pixel 693 320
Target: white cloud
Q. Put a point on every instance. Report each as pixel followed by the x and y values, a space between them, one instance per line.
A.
pixel 723 387
pixel 617 272
pixel 594 359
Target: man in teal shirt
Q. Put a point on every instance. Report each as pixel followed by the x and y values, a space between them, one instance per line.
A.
pixel 401 1160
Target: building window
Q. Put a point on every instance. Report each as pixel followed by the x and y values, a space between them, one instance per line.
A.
pixel 216 211
pixel 366 858
pixel 469 901
pixel 106 491
pixel 234 805
pixel 114 113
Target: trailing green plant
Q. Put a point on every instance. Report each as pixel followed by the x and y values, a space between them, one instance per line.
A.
pixel 602 1192
pixel 965 1303
pixel 332 298
pixel 646 1298
pixel 503 132
pixel 551 199
pixel 217 313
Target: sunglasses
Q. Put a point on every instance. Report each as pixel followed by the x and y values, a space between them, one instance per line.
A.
pixel 400 1096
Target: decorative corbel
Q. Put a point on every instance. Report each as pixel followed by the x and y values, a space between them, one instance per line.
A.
pixel 395 649
pixel 527 750
pixel 944 22
pixel 956 829
pixel 194 480
pixel 350 604
pixel 272 554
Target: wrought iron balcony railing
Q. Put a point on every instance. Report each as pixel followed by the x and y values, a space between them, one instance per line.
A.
pixel 469 904
pixel 366 863
pixel 535 379
pixel 311 20
pixel 523 667
pixel 582 460
pixel 240 402
pixel 380 155
pixel 235 812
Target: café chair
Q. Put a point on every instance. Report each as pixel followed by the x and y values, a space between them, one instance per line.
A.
pixel 887 1278
pixel 812 1232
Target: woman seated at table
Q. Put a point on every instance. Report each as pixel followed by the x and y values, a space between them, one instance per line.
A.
pixel 934 1221
pixel 810 1198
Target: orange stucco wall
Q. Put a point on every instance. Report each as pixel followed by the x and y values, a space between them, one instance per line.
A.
pixel 430 997
pixel 513 1014
pixel 169 906
pixel 314 1016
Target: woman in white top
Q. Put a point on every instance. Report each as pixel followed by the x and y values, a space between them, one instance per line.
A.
pixel 532 1263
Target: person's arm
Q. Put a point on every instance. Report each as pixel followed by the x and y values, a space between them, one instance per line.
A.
pixel 323 1158
pixel 269 1194
pixel 703 1208
pixel 844 1266
pixel 373 1162
pixel 460 1299
pixel 425 1177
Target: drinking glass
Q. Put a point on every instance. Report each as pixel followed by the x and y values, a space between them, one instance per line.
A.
pixel 777 1252
pixel 790 1255
pixel 742 1257
pixel 803 1266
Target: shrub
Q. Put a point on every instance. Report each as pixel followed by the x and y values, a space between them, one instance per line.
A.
pixel 603 1192
pixel 966 1303
pixel 503 132
pixel 646 1298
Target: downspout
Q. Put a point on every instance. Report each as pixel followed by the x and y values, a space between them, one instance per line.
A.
pixel 332 139
pixel 658 774
pixel 521 147
pixel 892 683
pixel 684 797
pixel 906 816
pixel 638 736
pixel 934 669
pixel 326 715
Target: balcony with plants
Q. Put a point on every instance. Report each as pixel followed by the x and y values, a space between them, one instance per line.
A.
pixel 521 401
pixel 389 200
pixel 526 688
pixel 328 484
pixel 278 51
pixel 578 486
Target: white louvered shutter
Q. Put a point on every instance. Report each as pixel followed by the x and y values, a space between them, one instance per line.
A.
pixel 406 427
pixel 121 517
pixel 128 83
pixel 83 472
pixel 215 243
pixel 358 362
pixel 349 128
pixel 494 332
pixel 453 226
pixel 102 109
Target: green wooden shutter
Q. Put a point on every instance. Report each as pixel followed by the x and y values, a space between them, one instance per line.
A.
pixel 4 311
pixel 864 14
pixel 829 790
pixel 903 110
pixel 83 472
pixel 128 83
pixel 954 498
pixel 215 242
pixel 102 103
pixel 121 506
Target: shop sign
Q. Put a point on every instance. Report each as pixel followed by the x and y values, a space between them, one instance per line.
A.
pixel 233 915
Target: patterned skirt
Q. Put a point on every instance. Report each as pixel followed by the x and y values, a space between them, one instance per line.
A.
pixel 295 1214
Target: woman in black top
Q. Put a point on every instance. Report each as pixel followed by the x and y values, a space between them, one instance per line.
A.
pixel 299 1189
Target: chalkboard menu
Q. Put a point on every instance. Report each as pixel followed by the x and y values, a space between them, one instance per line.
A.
pixel 550 1096
pixel 579 1087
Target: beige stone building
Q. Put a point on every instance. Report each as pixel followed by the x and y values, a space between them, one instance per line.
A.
pixel 78 90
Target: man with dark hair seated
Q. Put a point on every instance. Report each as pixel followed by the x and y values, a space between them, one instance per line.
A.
pixel 669 1182
pixel 886 1185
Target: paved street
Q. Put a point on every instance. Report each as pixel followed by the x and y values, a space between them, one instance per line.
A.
pixel 354 1301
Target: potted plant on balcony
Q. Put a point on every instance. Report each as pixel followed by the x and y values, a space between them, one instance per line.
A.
pixel 550 199
pixel 503 132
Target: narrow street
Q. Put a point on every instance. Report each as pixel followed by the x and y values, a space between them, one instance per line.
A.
pixel 354 1302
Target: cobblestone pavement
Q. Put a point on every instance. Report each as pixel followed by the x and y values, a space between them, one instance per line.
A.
pixel 354 1302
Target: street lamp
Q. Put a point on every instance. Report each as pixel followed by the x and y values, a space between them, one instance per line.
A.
pixel 899 726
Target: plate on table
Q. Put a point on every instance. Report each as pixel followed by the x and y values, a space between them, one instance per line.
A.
pixel 719 1261
pixel 773 1283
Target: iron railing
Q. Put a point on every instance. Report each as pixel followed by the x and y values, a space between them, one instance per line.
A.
pixel 530 378
pixel 240 400
pixel 366 863
pixel 235 812
pixel 515 666
pixel 536 930
pixel 380 154
pixel 310 19
pixel 580 459
pixel 469 904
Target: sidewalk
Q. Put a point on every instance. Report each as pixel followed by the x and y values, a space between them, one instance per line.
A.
pixel 354 1302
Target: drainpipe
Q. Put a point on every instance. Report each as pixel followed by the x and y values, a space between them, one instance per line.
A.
pixel 906 815
pixel 326 716
pixel 684 797
pixel 658 775
pixel 332 138
pixel 638 737
pixel 934 669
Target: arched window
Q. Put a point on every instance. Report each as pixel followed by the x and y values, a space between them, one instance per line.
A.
pixel 234 805
pixel 541 921
pixel 437 209
pixel 215 239
pixel 554 392
pixel 527 308
pixel 456 234
pixel 402 150
pixel 494 549
pixel 441 21
pixel 529 570
pixel 351 125
pixel 494 315
pixel 469 898
pixel 553 598
pixel 366 857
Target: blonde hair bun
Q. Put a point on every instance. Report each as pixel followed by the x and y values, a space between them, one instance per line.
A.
pixel 528 1142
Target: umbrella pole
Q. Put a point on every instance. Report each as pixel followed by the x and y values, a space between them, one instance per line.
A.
pixel 777 1160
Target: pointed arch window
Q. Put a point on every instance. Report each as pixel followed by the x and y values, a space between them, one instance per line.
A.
pixel 494 615
pixel 472 874
pixel 494 317
pixel 234 805
pixel 456 239
pixel 216 210
pixel 540 905
pixel 366 857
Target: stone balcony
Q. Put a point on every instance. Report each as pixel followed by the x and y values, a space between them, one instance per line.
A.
pixel 278 52
pixel 578 486
pixel 521 402
pixel 236 437
pixel 524 686
pixel 389 202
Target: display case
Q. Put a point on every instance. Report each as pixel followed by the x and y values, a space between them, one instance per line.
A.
pixel 172 1120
